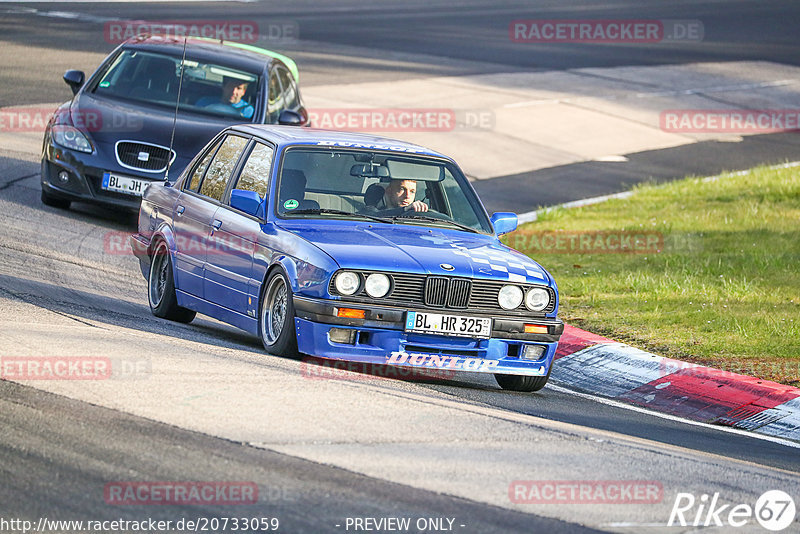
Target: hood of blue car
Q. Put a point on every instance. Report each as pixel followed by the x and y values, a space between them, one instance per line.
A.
pixel 110 120
pixel 418 249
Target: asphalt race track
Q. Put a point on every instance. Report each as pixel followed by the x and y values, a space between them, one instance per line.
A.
pixel 203 402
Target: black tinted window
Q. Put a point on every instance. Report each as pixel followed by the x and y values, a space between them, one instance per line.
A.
pixel 221 168
pixel 200 170
pixel 255 174
pixel 290 100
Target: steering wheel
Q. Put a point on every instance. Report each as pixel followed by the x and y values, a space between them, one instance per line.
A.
pixel 221 107
pixel 430 213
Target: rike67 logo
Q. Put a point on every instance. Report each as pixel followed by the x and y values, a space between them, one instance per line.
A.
pixel 774 510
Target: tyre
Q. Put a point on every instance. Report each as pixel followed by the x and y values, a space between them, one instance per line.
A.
pixel 55 202
pixel 526 384
pixel 276 316
pixel 161 288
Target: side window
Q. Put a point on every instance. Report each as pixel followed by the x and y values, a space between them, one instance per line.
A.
pixel 200 170
pixel 221 167
pixel 255 174
pixel 290 100
pixel 275 100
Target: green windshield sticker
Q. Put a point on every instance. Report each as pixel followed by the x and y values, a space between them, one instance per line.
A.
pixel 105 84
pixel 291 204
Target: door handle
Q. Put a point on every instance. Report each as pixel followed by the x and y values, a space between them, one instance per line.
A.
pixel 215 226
pixel 180 210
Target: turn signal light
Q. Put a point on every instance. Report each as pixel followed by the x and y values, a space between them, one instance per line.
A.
pixel 535 329
pixel 350 313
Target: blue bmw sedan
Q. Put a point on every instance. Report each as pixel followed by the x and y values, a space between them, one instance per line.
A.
pixel 350 247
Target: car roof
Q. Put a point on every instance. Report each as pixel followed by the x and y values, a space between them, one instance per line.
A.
pixel 297 135
pixel 242 55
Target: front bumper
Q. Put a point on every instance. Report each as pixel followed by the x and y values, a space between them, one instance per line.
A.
pixel 85 177
pixel 380 338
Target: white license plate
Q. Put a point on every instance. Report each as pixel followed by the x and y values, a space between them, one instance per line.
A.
pixel 452 325
pixel 124 184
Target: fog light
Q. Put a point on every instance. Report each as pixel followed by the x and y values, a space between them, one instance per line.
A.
pixel 532 352
pixel 63 177
pixel 342 335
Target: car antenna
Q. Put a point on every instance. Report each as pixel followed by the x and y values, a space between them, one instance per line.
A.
pixel 175 117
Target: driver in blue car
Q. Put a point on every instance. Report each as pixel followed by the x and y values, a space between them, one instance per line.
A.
pixel 399 196
pixel 233 89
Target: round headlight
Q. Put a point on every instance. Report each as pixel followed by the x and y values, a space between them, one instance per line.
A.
pixel 509 297
pixel 537 299
pixel 377 285
pixel 347 282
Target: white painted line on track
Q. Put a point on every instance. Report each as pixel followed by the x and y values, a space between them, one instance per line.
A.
pixel 669 417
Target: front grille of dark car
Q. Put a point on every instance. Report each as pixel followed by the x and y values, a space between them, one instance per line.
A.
pixel 129 153
pixel 445 292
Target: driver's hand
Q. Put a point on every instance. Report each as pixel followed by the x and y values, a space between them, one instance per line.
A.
pixel 417 205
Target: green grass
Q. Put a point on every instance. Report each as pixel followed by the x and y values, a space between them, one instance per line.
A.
pixel 723 289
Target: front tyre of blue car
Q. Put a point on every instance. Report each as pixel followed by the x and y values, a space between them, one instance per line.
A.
pixel 524 384
pixel 161 287
pixel 276 316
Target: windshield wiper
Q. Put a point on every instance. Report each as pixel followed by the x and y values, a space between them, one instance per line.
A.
pixel 435 219
pixel 341 212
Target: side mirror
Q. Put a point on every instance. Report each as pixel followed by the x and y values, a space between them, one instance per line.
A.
pixel 246 201
pixel 504 222
pixel 290 118
pixel 74 79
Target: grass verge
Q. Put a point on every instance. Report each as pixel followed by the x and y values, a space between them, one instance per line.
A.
pixel 703 270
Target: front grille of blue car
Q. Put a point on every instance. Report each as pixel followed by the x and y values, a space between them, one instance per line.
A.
pixel 446 292
pixel 441 291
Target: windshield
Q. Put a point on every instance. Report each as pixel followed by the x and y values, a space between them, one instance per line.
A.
pixel 393 188
pixel 207 88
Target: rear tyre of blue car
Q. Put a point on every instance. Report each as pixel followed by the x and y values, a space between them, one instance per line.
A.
pixel 525 384
pixel 161 288
pixel 276 316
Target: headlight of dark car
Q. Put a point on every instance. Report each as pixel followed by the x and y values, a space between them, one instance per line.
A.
pixel 70 137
